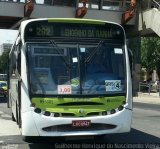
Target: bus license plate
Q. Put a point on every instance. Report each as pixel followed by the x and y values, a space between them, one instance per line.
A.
pixel 81 123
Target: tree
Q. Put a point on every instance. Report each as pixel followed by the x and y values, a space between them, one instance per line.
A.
pixel 150 54
pixel 4 61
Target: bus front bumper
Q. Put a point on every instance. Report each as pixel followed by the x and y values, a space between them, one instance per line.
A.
pixel 34 124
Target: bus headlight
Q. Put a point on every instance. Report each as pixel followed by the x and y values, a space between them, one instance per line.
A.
pixel 120 108
pixel 37 110
pixel 56 115
pixel 104 113
pixel 47 113
pixel 113 111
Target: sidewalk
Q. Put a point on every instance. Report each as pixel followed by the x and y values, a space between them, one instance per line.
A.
pixel 152 98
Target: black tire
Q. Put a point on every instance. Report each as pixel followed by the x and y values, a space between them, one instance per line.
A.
pixel 19 121
pixel 17 116
pixel 19 101
pixel 13 118
pixel 26 138
pixel 31 139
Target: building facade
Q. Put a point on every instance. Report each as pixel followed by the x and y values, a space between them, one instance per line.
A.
pixel 4 47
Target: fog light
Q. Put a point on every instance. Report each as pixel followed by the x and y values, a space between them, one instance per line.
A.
pixel 104 113
pixel 47 113
pixel 56 115
pixel 37 110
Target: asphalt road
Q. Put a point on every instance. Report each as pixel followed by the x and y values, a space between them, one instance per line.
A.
pixel 145 133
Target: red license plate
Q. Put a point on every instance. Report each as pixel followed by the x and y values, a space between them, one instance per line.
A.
pixel 81 123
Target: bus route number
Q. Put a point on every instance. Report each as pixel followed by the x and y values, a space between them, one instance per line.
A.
pixel 64 89
pixel 113 85
pixel 43 31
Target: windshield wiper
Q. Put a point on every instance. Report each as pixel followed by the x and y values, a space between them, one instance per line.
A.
pixel 57 48
pixel 58 51
pixel 94 51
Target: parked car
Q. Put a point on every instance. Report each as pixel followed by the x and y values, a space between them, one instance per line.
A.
pixel 155 86
pixel 3 77
pixel 3 88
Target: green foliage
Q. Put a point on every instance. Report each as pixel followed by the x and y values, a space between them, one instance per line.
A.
pixel 150 53
pixel 4 61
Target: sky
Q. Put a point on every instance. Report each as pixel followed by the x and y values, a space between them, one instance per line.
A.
pixel 7 36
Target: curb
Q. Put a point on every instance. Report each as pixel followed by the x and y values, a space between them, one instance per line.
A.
pixel 147 99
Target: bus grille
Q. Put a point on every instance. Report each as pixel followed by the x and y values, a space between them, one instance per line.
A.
pixel 68 127
pixel 93 114
pixel 73 115
pixel 79 103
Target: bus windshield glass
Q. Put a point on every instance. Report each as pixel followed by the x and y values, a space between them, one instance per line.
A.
pixel 76 69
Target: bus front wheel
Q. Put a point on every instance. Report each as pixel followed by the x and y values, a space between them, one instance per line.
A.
pixel 13 118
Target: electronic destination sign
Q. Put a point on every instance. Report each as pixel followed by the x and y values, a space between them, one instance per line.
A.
pixel 45 29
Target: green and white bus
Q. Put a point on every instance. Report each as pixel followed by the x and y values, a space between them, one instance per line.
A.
pixel 70 77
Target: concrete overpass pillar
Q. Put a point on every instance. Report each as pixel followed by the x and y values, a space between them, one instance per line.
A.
pixel 135 45
pixel 146 4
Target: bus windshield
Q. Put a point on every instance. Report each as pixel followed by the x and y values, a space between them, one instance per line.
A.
pixel 76 68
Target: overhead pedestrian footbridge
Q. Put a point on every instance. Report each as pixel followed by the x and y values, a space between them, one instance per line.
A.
pixel 138 17
pixel 149 18
pixel 12 12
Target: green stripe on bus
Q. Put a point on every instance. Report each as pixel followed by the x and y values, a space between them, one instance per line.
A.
pixel 77 21
pixel 68 105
